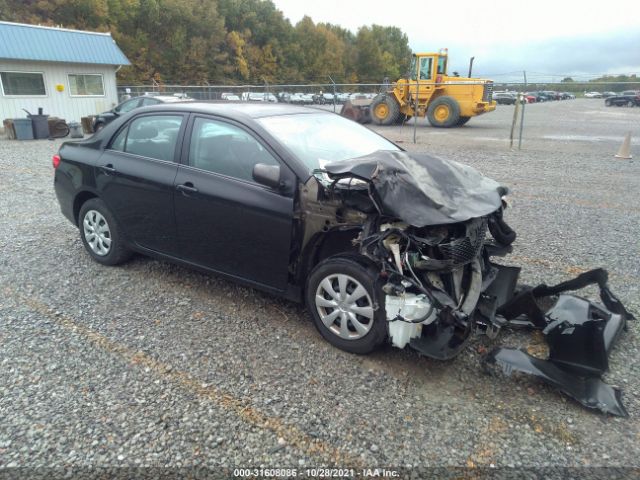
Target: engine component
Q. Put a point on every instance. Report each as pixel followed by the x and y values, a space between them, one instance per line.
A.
pixel 407 313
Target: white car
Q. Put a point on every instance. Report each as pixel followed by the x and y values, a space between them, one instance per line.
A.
pixel 232 98
pixel 259 97
pixel 593 95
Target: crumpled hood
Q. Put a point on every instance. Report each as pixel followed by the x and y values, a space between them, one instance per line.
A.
pixel 424 190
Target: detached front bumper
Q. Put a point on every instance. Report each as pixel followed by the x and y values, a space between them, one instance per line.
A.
pixel 580 335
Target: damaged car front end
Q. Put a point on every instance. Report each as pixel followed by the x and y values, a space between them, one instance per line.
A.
pixel 426 231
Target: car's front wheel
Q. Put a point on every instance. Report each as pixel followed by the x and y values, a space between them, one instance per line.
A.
pixel 100 233
pixel 343 300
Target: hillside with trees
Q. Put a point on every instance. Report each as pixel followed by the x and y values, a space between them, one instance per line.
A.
pixel 224 41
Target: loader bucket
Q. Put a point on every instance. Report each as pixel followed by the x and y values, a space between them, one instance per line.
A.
pixel 357 113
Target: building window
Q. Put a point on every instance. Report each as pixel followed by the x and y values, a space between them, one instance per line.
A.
pixel 28 84
pixel 81 85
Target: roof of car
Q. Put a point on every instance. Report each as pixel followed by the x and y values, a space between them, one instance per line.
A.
pixel 246 109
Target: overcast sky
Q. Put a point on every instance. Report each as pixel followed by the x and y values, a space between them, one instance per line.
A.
pixel 543 37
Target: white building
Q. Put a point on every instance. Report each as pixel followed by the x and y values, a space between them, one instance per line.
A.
pixel 68 73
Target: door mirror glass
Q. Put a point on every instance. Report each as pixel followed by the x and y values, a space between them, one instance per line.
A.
pixel 268 175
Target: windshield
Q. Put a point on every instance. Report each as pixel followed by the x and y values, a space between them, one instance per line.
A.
pixel 320 138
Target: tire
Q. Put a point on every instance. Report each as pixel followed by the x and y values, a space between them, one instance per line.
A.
pixel 607 103
pixel 443 112
pixel 385 110
pixel 101 234
pixel 463 120
pixel 329 283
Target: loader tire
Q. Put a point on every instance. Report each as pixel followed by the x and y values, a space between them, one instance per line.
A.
pixel 443 112
pixel 385 110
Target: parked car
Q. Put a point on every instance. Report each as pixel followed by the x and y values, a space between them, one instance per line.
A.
pixel 382 245
pixel 235 188
pixel 258 97
pixel 232 98
pixel 567 96
pixel 503 98
pixel 628 98
pixel 608 94
pixel 538 97
pixel 136 102
pixel 593 95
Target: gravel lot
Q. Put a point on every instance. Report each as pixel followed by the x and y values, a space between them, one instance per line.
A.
pixel 150 364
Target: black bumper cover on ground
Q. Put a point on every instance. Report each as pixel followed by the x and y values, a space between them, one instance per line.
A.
pixel 580 335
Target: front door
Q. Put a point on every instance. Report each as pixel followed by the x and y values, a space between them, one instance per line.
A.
pixel 422 80
pixel 135 175
pixel 226 221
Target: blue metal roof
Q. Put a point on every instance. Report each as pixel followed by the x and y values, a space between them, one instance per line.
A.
pixel 30 42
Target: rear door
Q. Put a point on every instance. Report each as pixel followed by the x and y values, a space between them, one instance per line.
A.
pixel 135 176
pixel 225 220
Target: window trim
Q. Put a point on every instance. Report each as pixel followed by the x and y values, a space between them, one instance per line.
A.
pixel 44 83
pixel 186 147
pixel 104 91
pixel 177 154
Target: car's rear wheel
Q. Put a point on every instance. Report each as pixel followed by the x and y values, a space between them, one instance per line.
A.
pixel 343 300
pixel 630 103
pixel 100 233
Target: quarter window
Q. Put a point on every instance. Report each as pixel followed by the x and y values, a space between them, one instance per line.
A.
pixel 26 84
pixel 225 149
pixel 85 85
pixel 152 136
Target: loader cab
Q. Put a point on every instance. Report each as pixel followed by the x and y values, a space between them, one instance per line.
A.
pixel 428 66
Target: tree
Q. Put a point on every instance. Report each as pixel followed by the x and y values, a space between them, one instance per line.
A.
pixel 223 41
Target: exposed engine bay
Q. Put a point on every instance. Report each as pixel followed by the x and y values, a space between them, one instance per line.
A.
pixel 432 229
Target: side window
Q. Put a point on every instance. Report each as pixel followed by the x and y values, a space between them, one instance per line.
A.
pixel 222 148
pixel 152 136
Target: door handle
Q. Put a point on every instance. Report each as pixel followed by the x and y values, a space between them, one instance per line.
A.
pixel 108 169
pixel 187 188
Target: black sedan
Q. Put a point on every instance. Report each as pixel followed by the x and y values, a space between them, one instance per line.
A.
pixel 504 98
pixel 382 245
pixel 630 98
pixel 126 106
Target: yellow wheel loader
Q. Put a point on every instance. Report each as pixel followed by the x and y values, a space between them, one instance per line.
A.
pixel 446 101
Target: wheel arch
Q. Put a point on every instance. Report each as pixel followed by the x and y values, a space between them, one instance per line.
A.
pixel 80 200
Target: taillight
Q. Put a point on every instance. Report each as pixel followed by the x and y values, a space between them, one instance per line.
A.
pixel 56 161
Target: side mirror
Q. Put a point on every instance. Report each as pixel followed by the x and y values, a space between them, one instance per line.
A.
pixel 268 175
